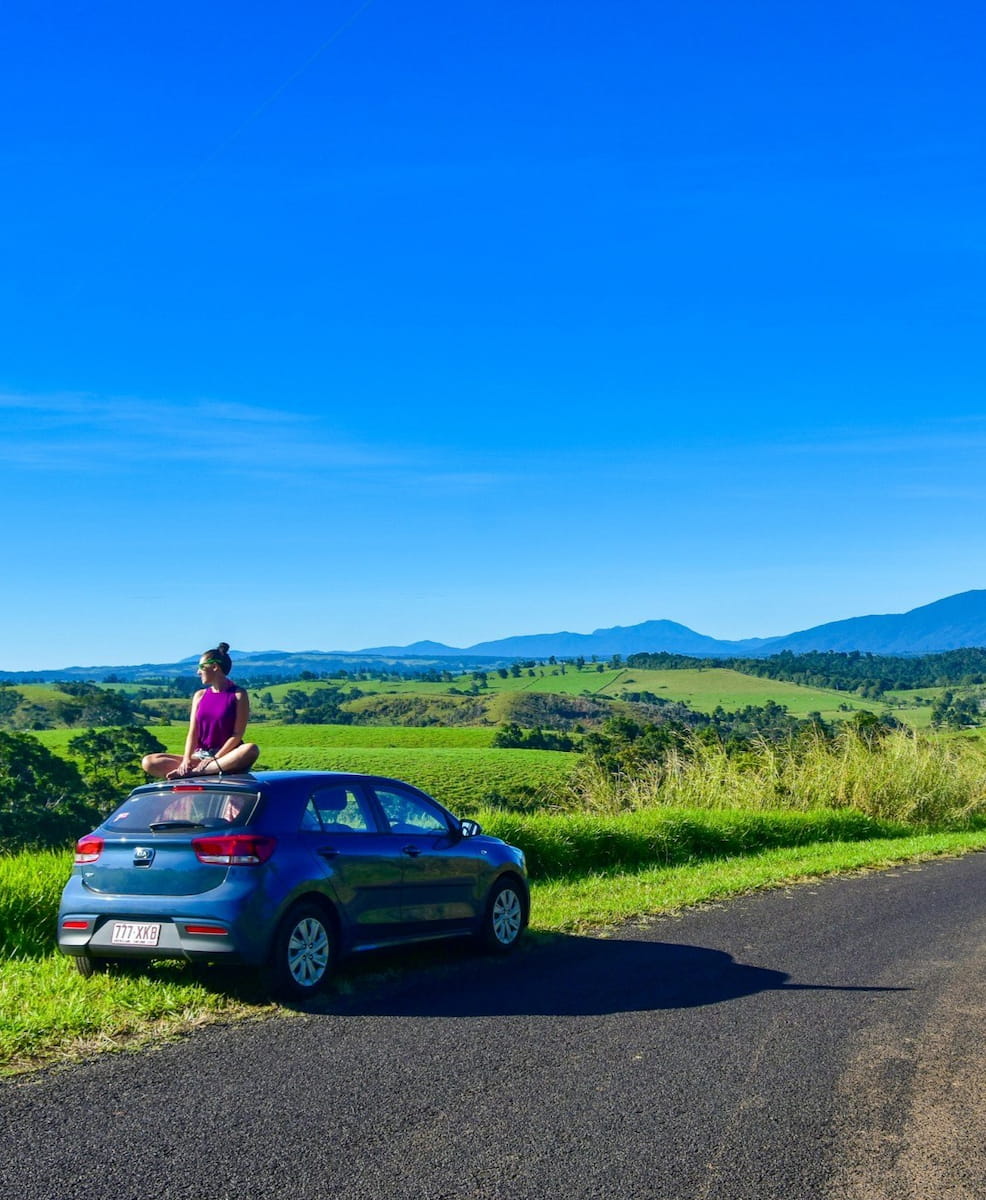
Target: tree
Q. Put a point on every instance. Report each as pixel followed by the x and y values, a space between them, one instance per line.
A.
pixel 10 699
pixel 111 758
pixel 43 799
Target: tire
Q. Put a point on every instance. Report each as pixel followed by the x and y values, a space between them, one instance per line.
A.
pixel 303 953
pixel 87 967
pixel 504 918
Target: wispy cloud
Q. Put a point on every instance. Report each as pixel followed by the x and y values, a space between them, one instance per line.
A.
pixel 956 434
pixel 90 433
pixel 85 434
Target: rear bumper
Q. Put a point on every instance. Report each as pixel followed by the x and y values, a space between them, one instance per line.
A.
pixel 183 937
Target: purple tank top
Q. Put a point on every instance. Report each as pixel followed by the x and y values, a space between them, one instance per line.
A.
pixel 215 718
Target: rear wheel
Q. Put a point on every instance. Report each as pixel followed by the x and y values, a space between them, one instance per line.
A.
pixel 505 917
pixel 87 967
pixel 303 953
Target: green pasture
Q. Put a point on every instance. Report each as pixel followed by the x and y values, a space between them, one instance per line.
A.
pixel 705 690
pixel 461 778
pixel 458 767
pixel 407 737
pixel 275 736
pixel 702 688
pixel 570 681
pixel 43 695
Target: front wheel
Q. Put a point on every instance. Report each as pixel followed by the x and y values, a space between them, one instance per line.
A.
pixel 504 918
pixel 303 953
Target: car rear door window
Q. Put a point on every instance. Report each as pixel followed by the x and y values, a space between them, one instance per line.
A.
pixel 338 808
pixel 409 813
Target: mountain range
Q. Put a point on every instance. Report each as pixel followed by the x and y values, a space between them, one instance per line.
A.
pixel 950 624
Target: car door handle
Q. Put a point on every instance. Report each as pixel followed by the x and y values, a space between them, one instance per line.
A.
pixel 328 852
pixel 411 851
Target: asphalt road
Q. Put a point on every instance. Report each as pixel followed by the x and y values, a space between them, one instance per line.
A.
pixel 821 1041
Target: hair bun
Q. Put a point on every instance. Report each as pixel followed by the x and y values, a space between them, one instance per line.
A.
pixel 224 647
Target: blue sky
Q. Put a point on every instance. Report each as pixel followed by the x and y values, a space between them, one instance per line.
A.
pixel 347 324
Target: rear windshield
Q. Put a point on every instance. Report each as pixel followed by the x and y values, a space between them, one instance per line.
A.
pixel 184 808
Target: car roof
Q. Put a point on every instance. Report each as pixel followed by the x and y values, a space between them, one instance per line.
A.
pixel 248 779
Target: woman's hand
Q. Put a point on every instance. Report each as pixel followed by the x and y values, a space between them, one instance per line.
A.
pixel 184 768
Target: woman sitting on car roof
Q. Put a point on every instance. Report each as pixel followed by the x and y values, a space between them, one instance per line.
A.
pixel 220 712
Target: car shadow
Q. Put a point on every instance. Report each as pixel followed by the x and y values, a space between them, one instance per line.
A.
pixel 551 975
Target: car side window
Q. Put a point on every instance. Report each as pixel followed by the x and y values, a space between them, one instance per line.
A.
pixel 408 813
pixel 309 819
pixel 339 809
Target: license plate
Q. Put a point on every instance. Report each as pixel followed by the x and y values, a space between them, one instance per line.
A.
pixel 135 933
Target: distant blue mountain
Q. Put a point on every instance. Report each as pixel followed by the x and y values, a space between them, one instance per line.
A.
pixel 950 624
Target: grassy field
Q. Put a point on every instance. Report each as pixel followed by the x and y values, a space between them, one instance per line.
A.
pixel 703 689
pixel 456 766
pixel 275 737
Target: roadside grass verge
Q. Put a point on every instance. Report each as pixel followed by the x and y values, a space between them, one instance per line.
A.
pixel 606 898
pixel 578 844
pixel 30 887
pixel 49 1013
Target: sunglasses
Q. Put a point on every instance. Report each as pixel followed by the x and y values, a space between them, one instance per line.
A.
pixel 209 662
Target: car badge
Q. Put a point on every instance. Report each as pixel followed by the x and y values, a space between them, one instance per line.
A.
pixel 143 856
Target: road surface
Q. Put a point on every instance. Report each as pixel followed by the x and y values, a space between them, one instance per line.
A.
pixel 820 1041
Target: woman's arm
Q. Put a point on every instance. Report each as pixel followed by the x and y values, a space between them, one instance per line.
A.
pixel 190 746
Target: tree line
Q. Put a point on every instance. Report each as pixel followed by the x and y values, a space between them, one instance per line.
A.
pixel 868 675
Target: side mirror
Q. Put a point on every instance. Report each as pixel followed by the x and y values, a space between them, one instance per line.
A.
pixel 469 828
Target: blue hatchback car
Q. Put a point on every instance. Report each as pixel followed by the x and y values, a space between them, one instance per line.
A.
pixel 288 871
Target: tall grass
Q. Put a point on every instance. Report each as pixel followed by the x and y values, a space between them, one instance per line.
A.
pixel 921 782
pixel 30 887
pixel 573 845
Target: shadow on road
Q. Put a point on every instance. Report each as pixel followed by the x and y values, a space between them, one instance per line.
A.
pixel 554 975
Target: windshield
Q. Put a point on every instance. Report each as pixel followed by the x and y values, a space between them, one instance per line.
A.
pixel 183 807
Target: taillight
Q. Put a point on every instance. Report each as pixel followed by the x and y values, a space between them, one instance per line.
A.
pixel 234 849
pixel 88 849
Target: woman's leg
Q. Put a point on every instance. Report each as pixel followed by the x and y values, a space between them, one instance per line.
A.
pixel 159 765
pixel 234 762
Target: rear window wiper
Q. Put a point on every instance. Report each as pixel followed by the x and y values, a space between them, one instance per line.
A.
pixel 156 826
